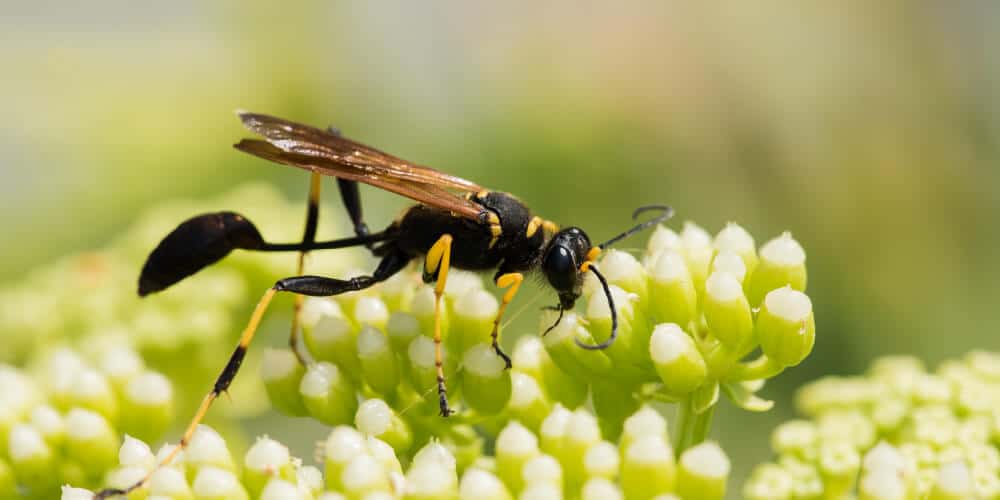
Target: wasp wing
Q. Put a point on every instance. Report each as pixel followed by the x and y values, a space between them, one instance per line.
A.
pixel 428 194
pixel 309 141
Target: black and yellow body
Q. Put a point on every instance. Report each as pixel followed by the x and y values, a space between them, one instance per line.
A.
pixel 516 249
pixel 455 223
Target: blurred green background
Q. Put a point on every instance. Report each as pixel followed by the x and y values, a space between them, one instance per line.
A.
pixel 871 130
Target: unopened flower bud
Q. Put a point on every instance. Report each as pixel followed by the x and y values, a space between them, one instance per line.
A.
pixel 328 395
pixel 376 418
pixel 727 311
pixel 528 402
pixel 378 361
pixel 478 484
pixel 207 449
pixel 282 374
pixel 214 483
pixel 515 446
pixel 736 240
pixel 602 460
pixel 673 297
pixel 782 263
pixel 147 406
pixel 486 381
pixel 90 440
pixel 648 469
pixel 703 472
pixel 265 460
pixel 599 488
pixel 677 360
pixel 332 337
pixel 785 326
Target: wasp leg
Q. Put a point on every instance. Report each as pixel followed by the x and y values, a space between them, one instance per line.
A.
pixel 436 266
pixel 303 285
pixel 351 197
pixel 512 282
pixel 308 237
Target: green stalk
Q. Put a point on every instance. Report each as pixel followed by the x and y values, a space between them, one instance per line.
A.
pixel 702 426
pixel 685 422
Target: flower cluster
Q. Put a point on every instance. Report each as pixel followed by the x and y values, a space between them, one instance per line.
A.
pixel 689 312
pixel 897 432
pixel 62 421
pixel 566 458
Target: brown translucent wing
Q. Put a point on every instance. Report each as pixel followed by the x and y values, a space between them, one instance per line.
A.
pixel 309 141
pixel 428 194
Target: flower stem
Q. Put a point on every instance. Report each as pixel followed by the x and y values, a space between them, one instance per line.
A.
pixel 692 427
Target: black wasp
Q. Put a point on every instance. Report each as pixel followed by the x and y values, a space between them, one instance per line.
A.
pixel 456 223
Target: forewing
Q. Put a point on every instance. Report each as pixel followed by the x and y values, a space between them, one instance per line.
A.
pixel 309 141
pixel 428 194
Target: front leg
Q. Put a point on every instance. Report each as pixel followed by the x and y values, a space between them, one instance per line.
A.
pixel 512 282
pixel 436 266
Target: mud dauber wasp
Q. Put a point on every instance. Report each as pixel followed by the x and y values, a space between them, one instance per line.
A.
pixel 456 223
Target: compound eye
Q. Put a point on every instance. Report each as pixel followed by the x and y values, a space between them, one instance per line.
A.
pixel 560 268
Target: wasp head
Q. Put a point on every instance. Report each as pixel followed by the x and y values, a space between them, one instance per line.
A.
pixel 566 252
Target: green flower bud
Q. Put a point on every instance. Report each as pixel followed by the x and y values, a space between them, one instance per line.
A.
pixel 599 488
pixel 147 406
pixel 838 464
pixel 135 453
pixel 553 430
pixel 370 310
pixel 50 424
pixel 402 328
pixel 954 482
pixel 985 364
pixel 643 424
pixel 530 357
pixel 582 432
pixel 795 437
pixel 486 381
pixel 648 469
pixel 696 247
pixel 363 475
pixel 478 484
pixel 472 319
pixel 852 427
pixel 703 472
pixel 208 449
pixel 736 240
pixel 528 403
pixel 782 263
pixel 265 460
pixel 663 239
pixel 329 396
pixel 673 297
pixel 727 311
pixel 885 474
pixel 90 440
pixel 170 482
pixel 542 469
pixel 561 346
pixel 515 446
pixel 378 362
pixel 123 477
pixel 602 461
pixel 768 482
pixel 622 269
pixel 728 262
pixel 282 375
pixel 677 360
pixel 888 414
pixel 330 336
pixel 31 458
pixel 280 489
pixel 542 491
pixel 213 483
pixel 91 390
pixel 376 418
pixel 785 326
pixel 432 475
pixel 342 446
pixel 120 364
pixel 630 351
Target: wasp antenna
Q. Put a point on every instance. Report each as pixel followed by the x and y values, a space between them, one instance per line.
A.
pixel 614 315
pixel 194 244
pixel 666 213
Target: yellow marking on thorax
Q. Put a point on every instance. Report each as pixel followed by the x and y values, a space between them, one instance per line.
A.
pixel 533 226
pixel 550 227
pixel 482 194
pixel 495 229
